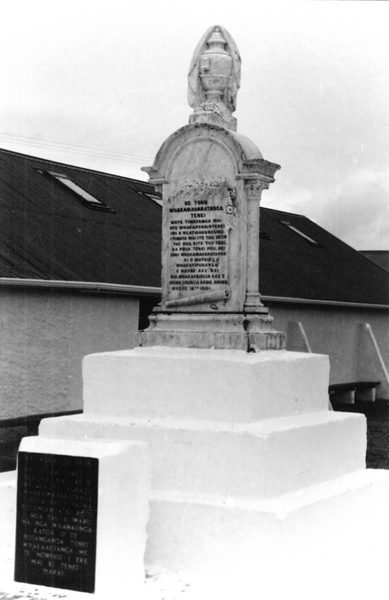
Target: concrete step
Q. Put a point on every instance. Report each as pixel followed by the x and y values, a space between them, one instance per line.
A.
pixel 241 460
pixel 7 514
pixel 304 541
pixel 341 523
pixel 220 385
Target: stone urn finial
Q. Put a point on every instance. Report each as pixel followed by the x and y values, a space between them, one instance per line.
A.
pixel 214 79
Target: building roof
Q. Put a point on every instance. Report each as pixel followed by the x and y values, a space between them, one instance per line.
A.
pixel 380 257
pixel 67 223
pixel 48 231
pixel 293 266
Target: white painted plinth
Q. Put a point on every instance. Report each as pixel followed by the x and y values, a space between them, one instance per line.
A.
pixel 122 508
pixel 7 520
pixel 335 522
pixel 251 473
pixel 235 460
pixel 330 539
pixel 221 385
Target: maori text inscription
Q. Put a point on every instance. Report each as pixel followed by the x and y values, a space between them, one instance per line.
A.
pixel 56 521
pixel 200 215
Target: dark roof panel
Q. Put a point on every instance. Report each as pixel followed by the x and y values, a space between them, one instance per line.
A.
pixel 379 257
pixel 48 233
pixel 291 266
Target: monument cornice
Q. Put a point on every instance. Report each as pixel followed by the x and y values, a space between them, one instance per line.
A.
pixel 259 168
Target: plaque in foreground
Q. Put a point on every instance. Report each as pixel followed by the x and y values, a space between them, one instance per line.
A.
pixel 56 521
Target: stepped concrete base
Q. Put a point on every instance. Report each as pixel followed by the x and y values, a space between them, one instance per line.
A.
pixel 7 515
pixel 327 541
pixel 221 385
pixel 243 460
pixel 331 523
pixel 250 471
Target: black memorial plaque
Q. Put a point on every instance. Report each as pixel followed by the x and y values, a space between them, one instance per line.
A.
pixel 56 521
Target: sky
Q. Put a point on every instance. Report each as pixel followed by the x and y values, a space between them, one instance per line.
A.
pixel 102 85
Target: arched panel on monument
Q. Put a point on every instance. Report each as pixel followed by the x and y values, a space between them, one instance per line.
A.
pixel 201 163
pixel 209 156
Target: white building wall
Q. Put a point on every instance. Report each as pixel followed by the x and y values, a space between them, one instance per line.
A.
pixel 338 331
pixel 45 333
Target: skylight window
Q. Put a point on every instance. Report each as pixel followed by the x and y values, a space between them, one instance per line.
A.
pixel 303 235
pixel 153 197
pixel 85 197
pixel 75 188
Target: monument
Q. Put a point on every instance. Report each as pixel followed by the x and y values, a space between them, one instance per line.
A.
pixel 253 478
pixel 211 179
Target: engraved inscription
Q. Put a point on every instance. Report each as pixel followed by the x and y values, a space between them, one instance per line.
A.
pixel 200 216
pixel 56 521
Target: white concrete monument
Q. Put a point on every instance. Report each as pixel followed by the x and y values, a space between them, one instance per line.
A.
pixel 254 480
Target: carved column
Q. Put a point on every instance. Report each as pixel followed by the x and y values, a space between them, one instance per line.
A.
pixel 253 188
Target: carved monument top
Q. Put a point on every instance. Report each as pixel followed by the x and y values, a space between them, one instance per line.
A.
pixel 214 78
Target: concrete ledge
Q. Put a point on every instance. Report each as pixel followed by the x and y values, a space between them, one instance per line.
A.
pixel 258 460
pixel 222 385
pixel 330 535
pixel 229 330
pixel 343 522
pixel 7 514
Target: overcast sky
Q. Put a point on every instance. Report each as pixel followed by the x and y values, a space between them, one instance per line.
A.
pixel 102 84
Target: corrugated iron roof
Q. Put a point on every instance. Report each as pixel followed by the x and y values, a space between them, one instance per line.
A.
pixel 292 266
pixel 48 232
pixel 379 257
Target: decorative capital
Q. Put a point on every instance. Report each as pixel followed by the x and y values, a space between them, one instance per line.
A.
pixel 254 187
